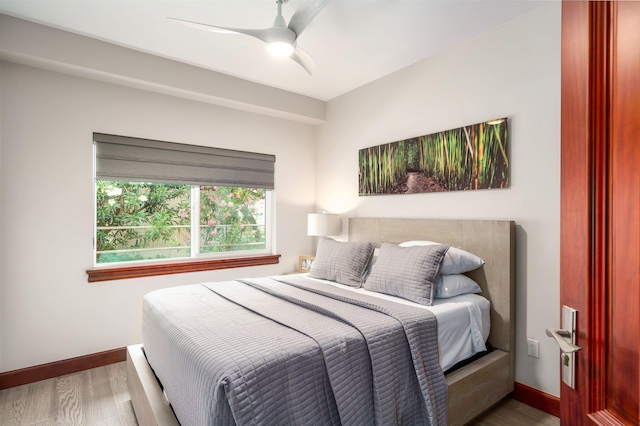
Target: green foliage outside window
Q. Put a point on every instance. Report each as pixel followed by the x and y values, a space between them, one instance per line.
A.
pixel 231 219
pixel 142 221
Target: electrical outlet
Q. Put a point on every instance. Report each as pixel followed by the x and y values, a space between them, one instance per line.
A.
pixel 533 348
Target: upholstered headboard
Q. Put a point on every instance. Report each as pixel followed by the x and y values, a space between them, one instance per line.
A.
pixel 494 241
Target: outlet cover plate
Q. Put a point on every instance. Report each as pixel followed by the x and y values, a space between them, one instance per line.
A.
pixel 533 348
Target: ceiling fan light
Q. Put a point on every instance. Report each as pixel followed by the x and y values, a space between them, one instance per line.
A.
pixel 280 48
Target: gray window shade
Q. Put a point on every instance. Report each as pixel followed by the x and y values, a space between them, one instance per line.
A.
pixel 142 160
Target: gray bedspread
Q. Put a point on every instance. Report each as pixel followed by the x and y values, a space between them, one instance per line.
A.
pixel 291 351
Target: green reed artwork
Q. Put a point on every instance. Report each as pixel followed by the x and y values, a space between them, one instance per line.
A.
pixel 468 158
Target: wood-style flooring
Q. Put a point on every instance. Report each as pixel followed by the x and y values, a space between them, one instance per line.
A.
pixel 99 397
pixel 513 413
pixel 92 397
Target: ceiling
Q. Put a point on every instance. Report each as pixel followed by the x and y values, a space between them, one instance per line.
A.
pixel 353 42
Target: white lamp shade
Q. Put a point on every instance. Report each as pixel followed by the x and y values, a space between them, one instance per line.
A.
pixel 320 224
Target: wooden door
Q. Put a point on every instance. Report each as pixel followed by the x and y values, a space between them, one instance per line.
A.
pixel 600 208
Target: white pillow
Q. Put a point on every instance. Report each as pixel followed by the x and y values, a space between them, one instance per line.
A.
pixel 454 285
pixel 456 261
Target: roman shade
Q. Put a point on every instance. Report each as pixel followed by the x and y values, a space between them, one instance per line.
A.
pixel 129 159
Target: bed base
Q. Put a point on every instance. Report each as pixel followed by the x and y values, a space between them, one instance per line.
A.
pixel 478 386
pixel 149 403
pixel 474 388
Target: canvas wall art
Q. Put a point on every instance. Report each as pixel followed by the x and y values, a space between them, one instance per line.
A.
pixel 468 158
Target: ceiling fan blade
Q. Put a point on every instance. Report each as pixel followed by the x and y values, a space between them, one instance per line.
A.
pixel 305 13
pixel 304 59
pixel 261 34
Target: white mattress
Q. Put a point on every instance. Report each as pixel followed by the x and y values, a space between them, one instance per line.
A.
pixel 463 323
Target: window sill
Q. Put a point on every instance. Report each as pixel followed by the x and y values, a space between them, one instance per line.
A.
pixel 125 272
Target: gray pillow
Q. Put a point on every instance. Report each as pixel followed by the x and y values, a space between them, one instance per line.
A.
pixel 342 262
pixel 407 272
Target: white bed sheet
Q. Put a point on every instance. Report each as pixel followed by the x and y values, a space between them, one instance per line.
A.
pixel 463 322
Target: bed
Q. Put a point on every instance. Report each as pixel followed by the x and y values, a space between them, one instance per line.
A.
pixel 472 388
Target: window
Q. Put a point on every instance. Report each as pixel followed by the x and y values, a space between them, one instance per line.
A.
pixel 156 201
pixel 137 221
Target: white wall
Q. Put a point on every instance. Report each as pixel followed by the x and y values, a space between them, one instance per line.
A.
pixel 513 71
pixel 48 310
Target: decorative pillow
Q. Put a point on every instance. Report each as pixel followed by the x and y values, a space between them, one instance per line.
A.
pixel 407 272
pixel 343 262
pixel 454 285
pixel 456 261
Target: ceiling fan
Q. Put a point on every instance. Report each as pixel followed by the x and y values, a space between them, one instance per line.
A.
pixel 281 38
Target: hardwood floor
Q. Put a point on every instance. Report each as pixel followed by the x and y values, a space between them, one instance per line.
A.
pixel 513 413
pixel 92 397
pixel 99 397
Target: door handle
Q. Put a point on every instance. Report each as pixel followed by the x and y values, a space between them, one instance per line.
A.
pixel 561 337
pixel 566 339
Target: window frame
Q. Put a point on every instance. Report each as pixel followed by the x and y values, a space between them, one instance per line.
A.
pixel 198 263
